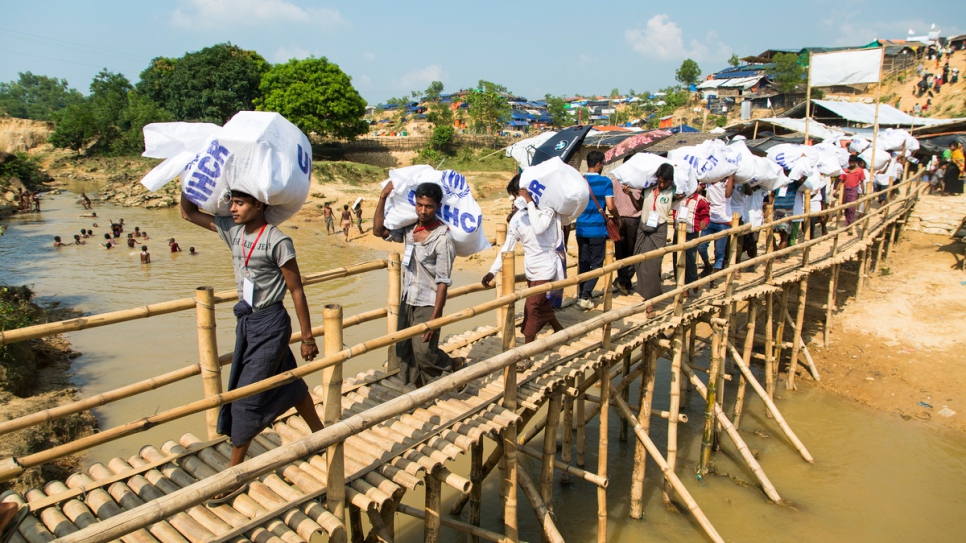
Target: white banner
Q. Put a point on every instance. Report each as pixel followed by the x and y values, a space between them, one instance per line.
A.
pixel 845 67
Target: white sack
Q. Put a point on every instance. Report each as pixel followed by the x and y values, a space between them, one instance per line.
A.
pixel 830 165
pixel 787 155
pixel 640 172
pixel 685 179
pixel 858 145
pixel 458 209
pixel 882 157
pixel 813 182
pixel 745 161
pixel 893 139
pixel 712 160
pixel 768 175
pixel 556 185
pixel 257 152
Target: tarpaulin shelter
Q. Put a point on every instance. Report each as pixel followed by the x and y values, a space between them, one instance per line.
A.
pixel 522 151
pixel 634 144
pixel 563 144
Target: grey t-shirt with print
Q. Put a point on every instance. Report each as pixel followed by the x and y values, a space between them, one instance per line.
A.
pixel 274 249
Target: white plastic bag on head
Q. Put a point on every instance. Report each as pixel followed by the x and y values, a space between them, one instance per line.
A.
pixel 858 145
pixel 830 165
pixel 685 180
pixel 768 174
pixel 745 161
pixel 787 155
pixel 256 152
pixel 893 139
pixel 882 157
pixel 556 185
pixel 712 160
pixel 639 171
pixel 813 182
pixel 458 209
pixel 177 143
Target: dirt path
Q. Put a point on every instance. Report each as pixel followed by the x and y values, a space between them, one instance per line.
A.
pixel 901 345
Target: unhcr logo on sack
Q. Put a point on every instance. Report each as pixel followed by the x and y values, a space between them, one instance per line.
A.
pixel 455 184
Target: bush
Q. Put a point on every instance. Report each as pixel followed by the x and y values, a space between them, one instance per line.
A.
pixel 25 168
pixel 442 137
pixel 17 361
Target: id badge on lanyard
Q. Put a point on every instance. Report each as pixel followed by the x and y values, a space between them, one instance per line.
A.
pixel 248 287
pixel 783 191
pixel 408 255
pixel 683 213
pixel 652 219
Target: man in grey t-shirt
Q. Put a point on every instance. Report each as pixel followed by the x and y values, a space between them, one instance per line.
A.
pixel 427 265
pixel 265 267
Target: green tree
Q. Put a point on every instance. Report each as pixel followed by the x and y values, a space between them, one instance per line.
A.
pixel 433 92
pixel 208 85
pixel 488 107
pixel 439 114
pixel 36 97
pixel 688 73
pixel 615 93
pixel 557 110
pixel 786 72
pixel 316 95
pixel 734 61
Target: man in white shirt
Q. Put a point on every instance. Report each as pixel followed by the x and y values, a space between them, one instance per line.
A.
pixel 719 196
pixel 541 235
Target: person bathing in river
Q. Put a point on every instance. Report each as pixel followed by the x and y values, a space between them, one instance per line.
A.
pixel 145 255
pixel 265 267
pixel 175 248
pixel 346 221
pixel 77 240
pixel 84 233
pixel 85 201
pixel 59 243
pixel 110 240
pixel 131 242
pixel 329 216
pixel 427 267
pixel 540 233
pixel 137 231
pixel 192 252
pixel 358 212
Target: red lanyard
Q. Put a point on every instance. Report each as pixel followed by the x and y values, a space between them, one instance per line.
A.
pixel 431 226
pixel 252 250
pixel 654 203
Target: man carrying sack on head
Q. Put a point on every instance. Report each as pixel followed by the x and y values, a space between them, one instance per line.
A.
pixel 265 267
pixel 427 266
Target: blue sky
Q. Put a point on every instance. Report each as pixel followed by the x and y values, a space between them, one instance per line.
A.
pixel 391 48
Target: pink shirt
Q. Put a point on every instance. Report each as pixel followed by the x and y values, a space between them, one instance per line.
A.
pixel 623 202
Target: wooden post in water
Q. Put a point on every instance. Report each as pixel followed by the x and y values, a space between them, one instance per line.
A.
pixel 727 311
pixel 604 375
pixel 608 295
pixel 392 313
pixel 208 353
pixel 718 327
pixel 509 402
pixel 746 356
pixel 332 412
pixel 432 508
pixel 549 449
pixel 780 332
pixel 580 414
pixel 830 303
pixel 677 348
pixel 625 370
pixel 646 396
pixel 476 492
pixel 797 341
pixel 568 431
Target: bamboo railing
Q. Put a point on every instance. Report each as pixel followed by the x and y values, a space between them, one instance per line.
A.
pixel 337 431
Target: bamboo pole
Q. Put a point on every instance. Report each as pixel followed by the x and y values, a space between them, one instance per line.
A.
pixel 625 370
pixel 749 459
pixel 565 468
pixel 393 291
pixel 509 434
pixel 707 437
pixel 669 473
pixel 581 407
pixel 332 412
pixel 568 433
pixel 769 404
pixel 646 395
pixel 208 353
pixel 476 491
pixel 682 235
pixel 604 377
pixel 474 531
pixel 830 304
pixel 675 405
pixel 797 339
pixel 749 345
pixel 807 225
pixel 780 331
pixel 548 529
pixel 608 294
pixel 500 233
pixel 432 508
pixel 863 270
pixel 550 448
pixel 808 357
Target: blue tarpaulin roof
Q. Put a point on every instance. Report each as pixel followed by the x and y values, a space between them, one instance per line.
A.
pixel 521 115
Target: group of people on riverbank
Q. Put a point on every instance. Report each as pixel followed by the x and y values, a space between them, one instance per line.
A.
pixel 28 201
pixel 345 218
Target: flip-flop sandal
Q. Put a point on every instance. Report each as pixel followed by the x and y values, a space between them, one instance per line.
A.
pixel 14 523
pixel 223 499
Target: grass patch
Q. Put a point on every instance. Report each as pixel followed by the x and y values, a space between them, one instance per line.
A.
pixel 466 159
pixel 350 173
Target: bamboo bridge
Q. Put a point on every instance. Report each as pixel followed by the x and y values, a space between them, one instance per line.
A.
pixel 382 438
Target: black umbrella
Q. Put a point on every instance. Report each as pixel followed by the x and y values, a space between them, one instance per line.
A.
pixel 563 144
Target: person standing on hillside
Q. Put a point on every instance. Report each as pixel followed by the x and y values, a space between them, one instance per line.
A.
pixel 265 268
pixel 592 228
pixel 427 268
pixel 540 233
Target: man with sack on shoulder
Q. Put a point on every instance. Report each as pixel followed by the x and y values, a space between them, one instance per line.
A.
pixel 265 268
pixel 427 267
pixel 592 226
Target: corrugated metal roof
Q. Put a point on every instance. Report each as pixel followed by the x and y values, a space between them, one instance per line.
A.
pixel 865 113
pixel 743 83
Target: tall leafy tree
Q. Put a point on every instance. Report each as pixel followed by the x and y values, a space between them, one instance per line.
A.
pixel 208 85
pixel 36 97
pixel 316 95
pixel 734 61
pixel 688 73
pixel 786 72
pixel 488 107
pixel 557 110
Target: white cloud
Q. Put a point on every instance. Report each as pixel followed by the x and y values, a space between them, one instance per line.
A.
pixel 584 60
pixel 369 56
pixel 205 13
pixel 421 78
pixel 284 54
pixel 362 81
pixel 854 28
pixel 662 39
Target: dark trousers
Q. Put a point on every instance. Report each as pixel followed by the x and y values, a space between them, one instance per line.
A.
pixel 690 258
pixel 625 248
pixel 590 256
pixel 420 362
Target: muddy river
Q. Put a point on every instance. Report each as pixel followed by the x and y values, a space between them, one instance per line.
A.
pixel 876 477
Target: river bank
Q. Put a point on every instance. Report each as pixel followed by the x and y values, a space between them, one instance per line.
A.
pixel 35 375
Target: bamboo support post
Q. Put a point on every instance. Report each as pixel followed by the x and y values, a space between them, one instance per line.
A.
pixel 769 243
pixel 604 377
pixel 355 525
pixel 625 370
pixel 580 414
pixel 332 412
pixel 797 339
pixel 769 404
pixel 431 522
pixel 208 353
pixel 473 531
pixel 674 405
pixel 682 234
pixel 707 437
pixel 500 233
pixel 743 449
pixel 568 433
pixel 669 474
pixel 608 294
pixel 393 290
pixel 476 491
pixel 780 331
pixel 548 529
pixel 509 435
pixel 550 448
pixel 807 225
pixel 565 468
pixel 646 396
pixel 749 345
pixel 813 370
pixel 830 304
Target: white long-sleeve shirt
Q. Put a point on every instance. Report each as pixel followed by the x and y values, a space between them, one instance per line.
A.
pixel 540 233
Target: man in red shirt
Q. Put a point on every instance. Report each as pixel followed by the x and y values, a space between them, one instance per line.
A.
pixel 851 180
pixel 695 212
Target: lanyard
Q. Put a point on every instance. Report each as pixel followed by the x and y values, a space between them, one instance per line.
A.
pixel 431 226
pixel 252 250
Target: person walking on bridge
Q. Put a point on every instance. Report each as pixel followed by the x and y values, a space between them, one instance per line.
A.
pixel 427 267
pixel 265 267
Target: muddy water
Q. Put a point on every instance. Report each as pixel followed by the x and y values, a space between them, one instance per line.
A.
pixel 876 477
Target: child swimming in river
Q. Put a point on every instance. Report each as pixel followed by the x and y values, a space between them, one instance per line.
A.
pixel 192 252
pixel 145 255
pixel 77 240
pixel 58 243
